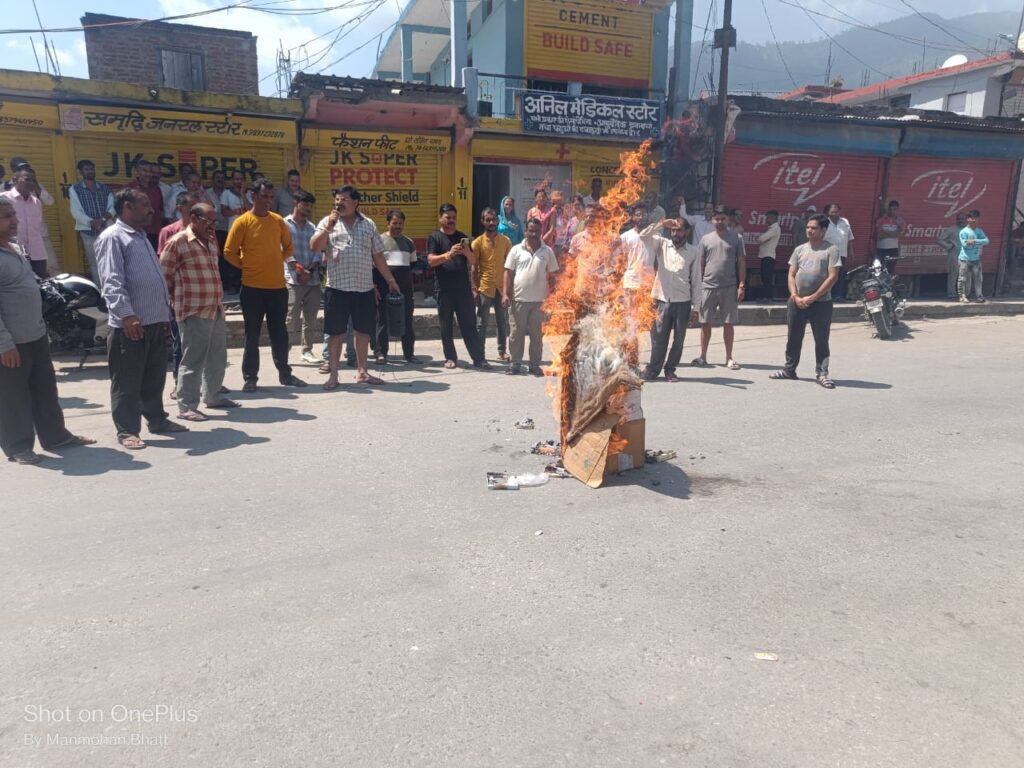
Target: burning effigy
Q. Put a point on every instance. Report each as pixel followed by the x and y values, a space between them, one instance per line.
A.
pixel 594 326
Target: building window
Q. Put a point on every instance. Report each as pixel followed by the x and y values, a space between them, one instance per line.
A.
pixel 183 69
pixel 488 8
pixel 900 102
pixel 957 102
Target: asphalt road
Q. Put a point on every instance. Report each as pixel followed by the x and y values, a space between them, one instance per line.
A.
pixel 322 579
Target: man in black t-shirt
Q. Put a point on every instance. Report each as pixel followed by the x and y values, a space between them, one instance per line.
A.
pixel 451 261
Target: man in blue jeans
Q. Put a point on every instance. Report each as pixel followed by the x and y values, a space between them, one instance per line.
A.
pixel 972 237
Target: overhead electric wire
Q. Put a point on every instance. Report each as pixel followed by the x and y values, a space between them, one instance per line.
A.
pixel 943 29
pixel 840 46
pixel 777 46
pixel 876 30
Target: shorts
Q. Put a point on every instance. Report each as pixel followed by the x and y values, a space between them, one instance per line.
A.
pixel 719 305
pixel 342 306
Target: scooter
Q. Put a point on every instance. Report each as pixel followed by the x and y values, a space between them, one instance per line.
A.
pixel 882 296
pixel 75 315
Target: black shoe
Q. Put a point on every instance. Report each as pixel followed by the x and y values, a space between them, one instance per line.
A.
pixel 411 359
pixel 512 369
pixel 536 371
pixel 166 427
pixel 483 365
pixel 249 386
pixel 292 381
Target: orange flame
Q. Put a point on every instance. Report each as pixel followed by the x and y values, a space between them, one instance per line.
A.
pixel 590 285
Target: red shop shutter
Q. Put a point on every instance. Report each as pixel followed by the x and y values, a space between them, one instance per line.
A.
pixel 757 179
pixel 932 190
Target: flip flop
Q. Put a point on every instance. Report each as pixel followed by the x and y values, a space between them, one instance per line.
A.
pixel 826 382
pixel 371 379
pixel 192 416
pixel 781 374
pixel 325 368
pixel 330 385
pixel 72 441
pixel 449 364
pixel 224 403
pixel 132 442
pixel 167 428
pixel 26 458
pixel 732 365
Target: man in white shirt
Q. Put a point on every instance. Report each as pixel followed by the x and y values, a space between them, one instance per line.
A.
pixel 767 243
pixel 170 212
pixel 840 235
pixel 594 198
pixel 676 285
pixel 526 287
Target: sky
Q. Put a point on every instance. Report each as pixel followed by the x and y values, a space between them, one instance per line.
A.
pixel 318 42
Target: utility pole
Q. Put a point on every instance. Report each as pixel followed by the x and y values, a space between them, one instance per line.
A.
pixel 725 38
pixel 680 93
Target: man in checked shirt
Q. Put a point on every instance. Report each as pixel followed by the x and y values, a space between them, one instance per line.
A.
pixel 191 268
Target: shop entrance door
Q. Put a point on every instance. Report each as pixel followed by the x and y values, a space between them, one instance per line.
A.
pixel 490 184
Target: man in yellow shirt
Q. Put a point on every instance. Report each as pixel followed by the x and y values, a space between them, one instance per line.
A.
pixel 259 243
pixel 488 272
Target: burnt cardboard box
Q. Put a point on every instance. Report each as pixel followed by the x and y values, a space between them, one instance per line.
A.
pixel 587 456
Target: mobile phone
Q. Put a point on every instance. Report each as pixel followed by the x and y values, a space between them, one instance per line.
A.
pixel 465 243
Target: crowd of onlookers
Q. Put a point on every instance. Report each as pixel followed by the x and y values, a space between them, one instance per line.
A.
pixel 165 256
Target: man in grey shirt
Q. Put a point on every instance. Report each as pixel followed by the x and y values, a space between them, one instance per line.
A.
pixel 813 270
pixel 28 387
pixel 725 275
pixel 135 290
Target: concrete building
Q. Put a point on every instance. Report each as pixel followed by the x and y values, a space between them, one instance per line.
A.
pixel 181 56
pixel 987 87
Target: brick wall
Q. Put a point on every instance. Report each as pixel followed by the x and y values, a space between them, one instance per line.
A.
pixel 131 53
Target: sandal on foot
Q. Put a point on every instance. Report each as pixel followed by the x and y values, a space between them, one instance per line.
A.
pixel 826 382
pixel 132 442
pixel 783 374
pixel 192 416
pixel 732 365
pixel 167 427
pixel 449 364
pixel 325 368
pixel 72 441
pixel 370 379
pixel 25 458
pixel 699 362
pixel 224 403
pixel 331 384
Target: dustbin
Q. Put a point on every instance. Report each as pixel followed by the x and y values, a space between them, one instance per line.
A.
pixel 394 307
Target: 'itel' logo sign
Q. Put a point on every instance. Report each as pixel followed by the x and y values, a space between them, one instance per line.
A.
pixel 952 189
pixel 805 174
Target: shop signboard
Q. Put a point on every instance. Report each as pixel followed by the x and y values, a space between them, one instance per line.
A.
pixel 586 116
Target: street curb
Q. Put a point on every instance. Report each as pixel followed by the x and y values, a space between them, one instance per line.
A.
pixel 425 321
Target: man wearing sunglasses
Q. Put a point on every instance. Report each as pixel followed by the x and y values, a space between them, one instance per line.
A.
pixel 190 264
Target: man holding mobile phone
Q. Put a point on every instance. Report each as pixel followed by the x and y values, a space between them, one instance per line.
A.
pixel 450 255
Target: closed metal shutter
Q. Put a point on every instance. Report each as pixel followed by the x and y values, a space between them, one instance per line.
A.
pixel 402 180
pixel 757 179
pixel 37 148
pixel 115 159
pixel 932 190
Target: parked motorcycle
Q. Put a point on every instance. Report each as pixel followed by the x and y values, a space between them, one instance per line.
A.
pixel 75 315
pixel 883 296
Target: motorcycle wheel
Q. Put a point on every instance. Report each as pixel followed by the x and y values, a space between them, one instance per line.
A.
pixel 882 322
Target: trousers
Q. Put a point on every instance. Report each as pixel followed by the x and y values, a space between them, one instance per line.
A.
pixel 483 315
pixel 819 315
pixel 526 318
pixel 673 318
pixel 767 278
pixel 28 401
pixel 272 304
pixel 89 246
pixel 969 280
pixel 303 306
pixel 138 371
pixel 204 356
pixel 457 304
